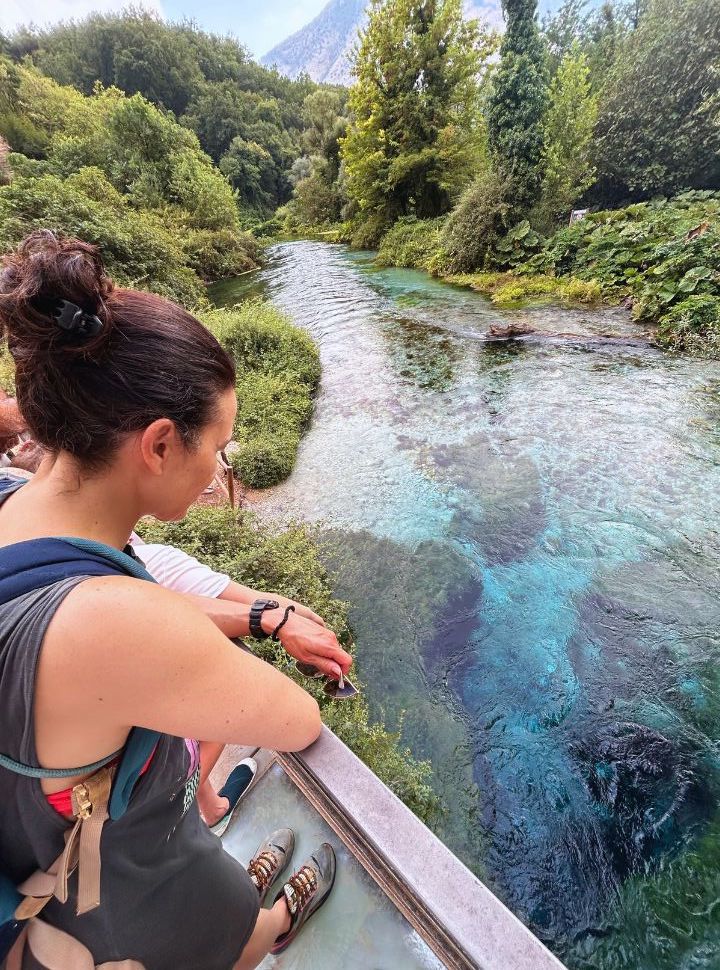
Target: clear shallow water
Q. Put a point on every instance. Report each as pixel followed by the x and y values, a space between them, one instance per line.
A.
pixel 529 535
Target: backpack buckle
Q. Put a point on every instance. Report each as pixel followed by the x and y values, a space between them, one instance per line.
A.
pixel 81 801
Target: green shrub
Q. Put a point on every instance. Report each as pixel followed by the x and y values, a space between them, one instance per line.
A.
pixel 516 247
pixel 367 233
pixel 692 325
pixel 278 372
pixel 411 242
pixel 137 247
pixel 216 254
pixel 287 562
pixel 474 226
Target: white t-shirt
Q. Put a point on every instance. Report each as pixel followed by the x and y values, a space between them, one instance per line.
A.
pixel 176 570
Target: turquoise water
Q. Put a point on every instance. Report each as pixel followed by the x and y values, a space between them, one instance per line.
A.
pixel 528 533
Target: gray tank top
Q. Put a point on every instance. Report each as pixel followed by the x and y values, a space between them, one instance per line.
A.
pixel 172 898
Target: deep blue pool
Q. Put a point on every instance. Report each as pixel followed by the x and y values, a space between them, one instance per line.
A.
pixel 529 535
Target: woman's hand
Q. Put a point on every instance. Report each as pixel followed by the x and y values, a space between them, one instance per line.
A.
pixel 284 602
pixel 309 642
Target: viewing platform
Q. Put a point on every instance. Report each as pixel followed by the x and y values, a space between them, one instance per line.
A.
pixel 401 900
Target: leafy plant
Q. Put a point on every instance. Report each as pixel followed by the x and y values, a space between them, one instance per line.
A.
pixel 411 242
pixel 692 325
pixel 516 246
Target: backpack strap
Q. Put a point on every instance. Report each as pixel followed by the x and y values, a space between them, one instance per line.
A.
pixel 31 565
pixel 18 768
pixel 55 950
pixel 82 851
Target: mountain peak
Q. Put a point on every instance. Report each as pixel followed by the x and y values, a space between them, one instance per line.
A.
pixel 322 48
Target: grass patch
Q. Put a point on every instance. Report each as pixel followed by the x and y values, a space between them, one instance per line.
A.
pixel 287 562
pixel 512 289
pixel 278 372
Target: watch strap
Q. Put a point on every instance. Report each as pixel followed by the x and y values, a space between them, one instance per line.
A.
pixel 256 611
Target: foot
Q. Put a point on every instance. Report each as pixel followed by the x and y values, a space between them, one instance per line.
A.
pixel 232 791
pixel 305 892
pixel 270 860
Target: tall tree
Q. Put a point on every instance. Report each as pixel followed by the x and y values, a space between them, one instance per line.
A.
pixel 416 130
pixel 563 29
pixel 569 124
pixel 655 134
pixel 518 104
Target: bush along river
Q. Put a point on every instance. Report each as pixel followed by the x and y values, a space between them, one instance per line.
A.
pixel 529 534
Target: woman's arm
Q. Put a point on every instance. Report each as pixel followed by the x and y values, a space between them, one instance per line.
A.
pixel 120 652
pixel 175 569
pixel 300 637
pixel 236 593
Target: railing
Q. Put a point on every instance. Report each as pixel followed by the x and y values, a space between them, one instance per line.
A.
pixel 459 918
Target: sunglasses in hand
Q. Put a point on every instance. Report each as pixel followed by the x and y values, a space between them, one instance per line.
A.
pixel 339 690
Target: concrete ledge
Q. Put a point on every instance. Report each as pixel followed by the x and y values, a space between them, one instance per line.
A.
pixel 460 919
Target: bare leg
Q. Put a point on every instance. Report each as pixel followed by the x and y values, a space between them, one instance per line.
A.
pixel 270 924
pixel 211 805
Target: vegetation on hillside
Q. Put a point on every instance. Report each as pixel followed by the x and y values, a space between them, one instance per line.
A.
pixel 117 171
pixel 278 370
pixel 247 118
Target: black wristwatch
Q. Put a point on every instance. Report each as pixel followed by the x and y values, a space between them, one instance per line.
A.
pixel 256 612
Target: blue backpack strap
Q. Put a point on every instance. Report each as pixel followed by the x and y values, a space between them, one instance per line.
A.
pixel 37 563
pixel 123 560
pixel 141 742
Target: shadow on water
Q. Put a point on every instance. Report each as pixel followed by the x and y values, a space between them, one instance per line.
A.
pixel 527 533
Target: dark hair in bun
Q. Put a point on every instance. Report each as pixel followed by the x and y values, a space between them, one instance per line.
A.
pixel 144 358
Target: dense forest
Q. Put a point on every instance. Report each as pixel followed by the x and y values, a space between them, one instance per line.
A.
pixel 457 149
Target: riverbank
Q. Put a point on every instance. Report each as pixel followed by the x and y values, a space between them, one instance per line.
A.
pixel 278 372
pixel 661 259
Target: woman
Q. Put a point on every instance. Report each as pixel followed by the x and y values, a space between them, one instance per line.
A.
pixel 133 399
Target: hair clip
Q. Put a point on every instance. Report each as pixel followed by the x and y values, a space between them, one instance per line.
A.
pixel 73 319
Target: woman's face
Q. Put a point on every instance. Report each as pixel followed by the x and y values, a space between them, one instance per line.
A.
pixel 190 471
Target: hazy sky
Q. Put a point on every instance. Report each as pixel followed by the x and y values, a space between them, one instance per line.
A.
pixel 259 24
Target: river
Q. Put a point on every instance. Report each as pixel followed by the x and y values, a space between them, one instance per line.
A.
pixel 528 533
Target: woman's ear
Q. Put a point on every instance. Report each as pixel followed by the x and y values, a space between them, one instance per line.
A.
pixel 157 443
